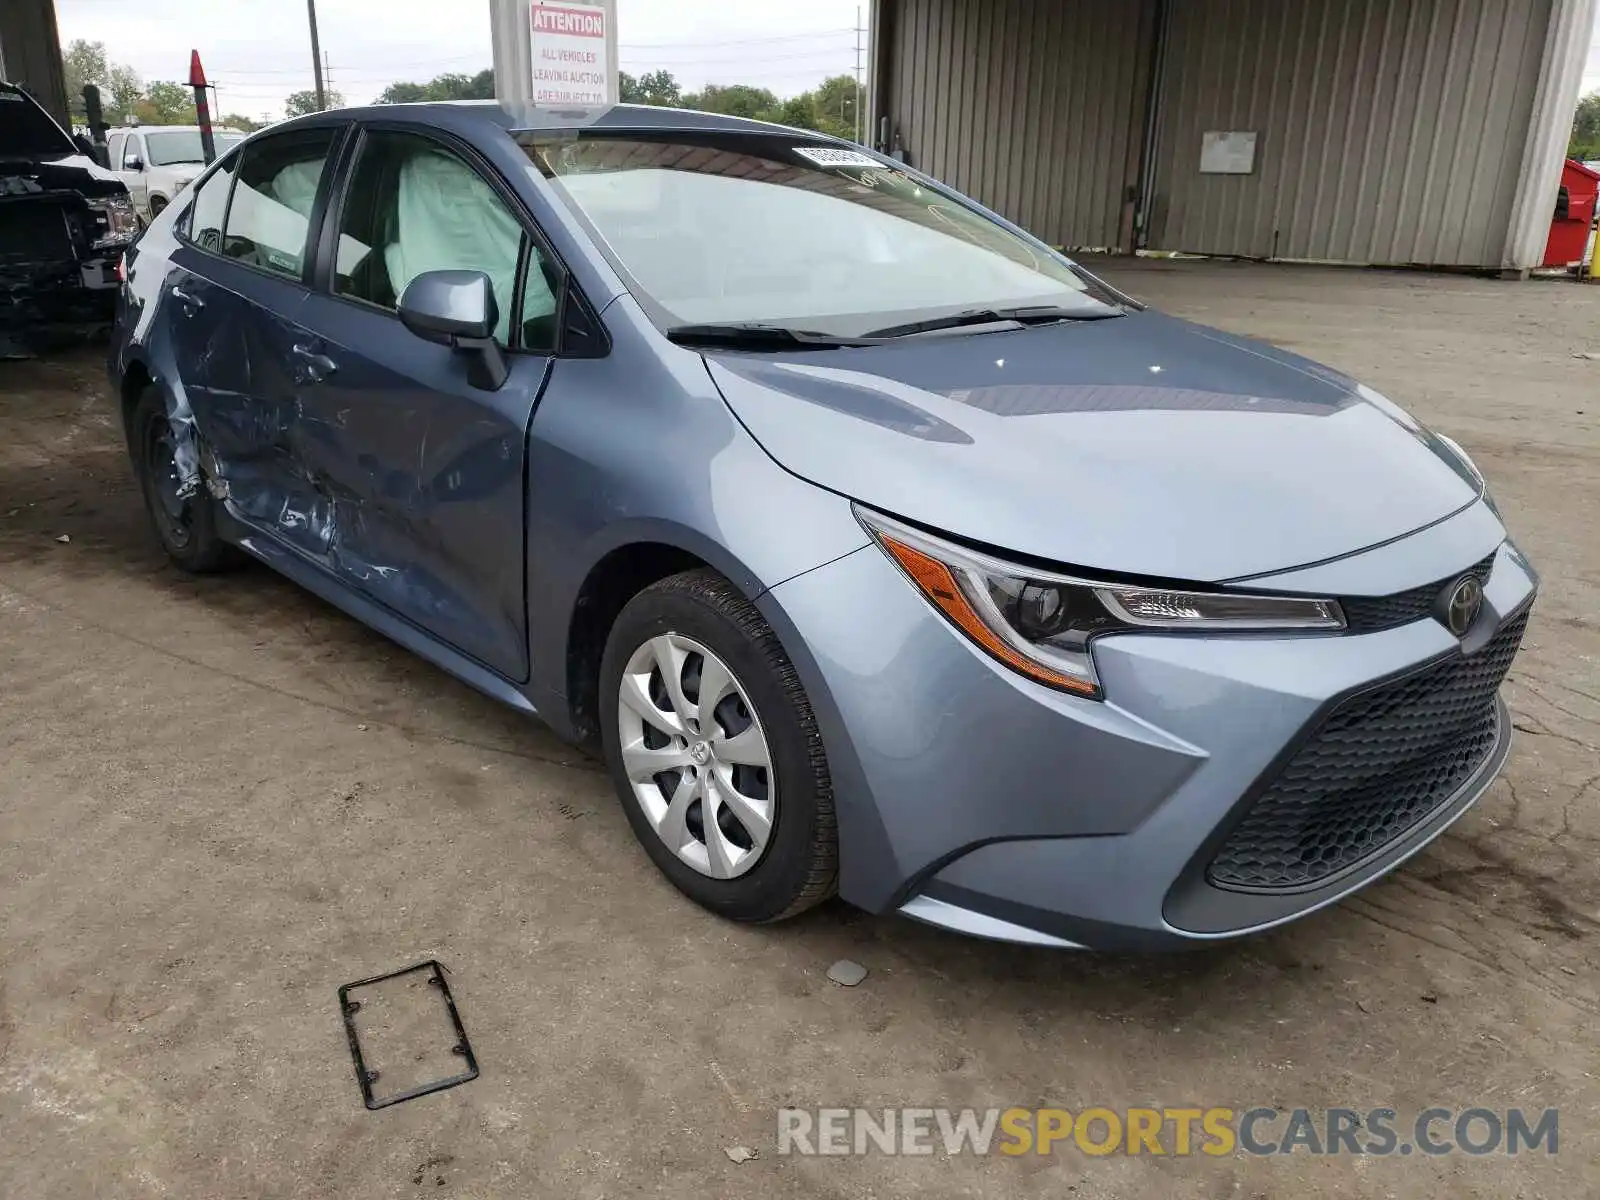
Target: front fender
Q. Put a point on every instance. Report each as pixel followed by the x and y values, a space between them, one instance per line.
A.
pixel 639 448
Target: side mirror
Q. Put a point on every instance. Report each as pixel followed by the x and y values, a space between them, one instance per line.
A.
pixel 458 309
pixel 133 163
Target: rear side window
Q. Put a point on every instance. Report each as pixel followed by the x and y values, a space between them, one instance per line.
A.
pixel 269 218
pixel 205 217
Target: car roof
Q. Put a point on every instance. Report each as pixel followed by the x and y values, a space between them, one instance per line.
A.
pixel 170 129
pixel 514 118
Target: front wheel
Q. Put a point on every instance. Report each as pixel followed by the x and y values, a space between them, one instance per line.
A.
pixel 715 752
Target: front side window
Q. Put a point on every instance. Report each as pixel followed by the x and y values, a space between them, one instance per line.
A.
pixel 763 229
pixel 132 154
pixel 114 149
pixel 269 218
pixel 210 208
pixel 173 146
pixel 413 207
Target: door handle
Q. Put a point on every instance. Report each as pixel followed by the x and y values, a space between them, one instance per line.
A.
pixel 187 299
pixel 318 366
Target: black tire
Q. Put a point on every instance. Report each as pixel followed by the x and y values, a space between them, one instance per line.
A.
pixel 157 207
pixel 187 526
pixel 799 867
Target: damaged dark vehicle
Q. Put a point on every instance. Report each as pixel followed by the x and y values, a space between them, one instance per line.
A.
pixel 64 223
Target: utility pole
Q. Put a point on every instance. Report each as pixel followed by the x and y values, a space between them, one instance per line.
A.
pixel 316 56
pixel 858 74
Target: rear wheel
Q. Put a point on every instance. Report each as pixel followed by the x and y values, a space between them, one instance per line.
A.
pixel 715 752
pixel 157 206
pixel 184 519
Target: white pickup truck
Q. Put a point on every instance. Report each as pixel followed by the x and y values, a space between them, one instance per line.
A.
pixel 159 161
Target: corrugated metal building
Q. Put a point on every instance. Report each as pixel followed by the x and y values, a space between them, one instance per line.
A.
pixel 30 52
pixel 1373 131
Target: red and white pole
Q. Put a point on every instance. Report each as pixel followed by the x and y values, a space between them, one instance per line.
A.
pixel 202 106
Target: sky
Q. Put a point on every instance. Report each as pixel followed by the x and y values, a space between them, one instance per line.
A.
pixel 1591 72
pixel 258 51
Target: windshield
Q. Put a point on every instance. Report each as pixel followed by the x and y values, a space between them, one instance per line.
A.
pixel 170 147
pixel 726 229
pixel 26 130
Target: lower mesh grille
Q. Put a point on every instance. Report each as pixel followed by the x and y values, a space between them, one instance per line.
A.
pixel 1378 765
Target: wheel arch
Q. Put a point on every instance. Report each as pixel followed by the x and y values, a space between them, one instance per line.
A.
pixel 632 561
pixel 136 377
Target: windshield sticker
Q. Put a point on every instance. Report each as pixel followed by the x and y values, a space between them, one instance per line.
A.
pixel 826 156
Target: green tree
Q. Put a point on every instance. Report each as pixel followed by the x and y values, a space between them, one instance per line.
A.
pixel 736 100
pixel 799 111
pixel 403 93
pixel 166 104
pixel 660 87
pixel 240 122
pixel 298 104
pixel 121 89
pixel 835 103
pixel 653 87
pixel 125 90
pixel 1585 143
pixel 451 86
pixel 84 62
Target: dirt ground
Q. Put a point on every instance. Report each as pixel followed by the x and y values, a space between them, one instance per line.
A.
pixel 220 799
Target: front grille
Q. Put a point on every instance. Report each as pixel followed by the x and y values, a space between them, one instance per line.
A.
pixel 1368 614
pixel 1378 765
pixel 34 230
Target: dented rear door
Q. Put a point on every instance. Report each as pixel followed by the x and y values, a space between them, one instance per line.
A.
pixel 237 304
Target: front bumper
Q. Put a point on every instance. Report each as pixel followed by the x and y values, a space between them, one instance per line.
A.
pixel 38 296
pixel 971 798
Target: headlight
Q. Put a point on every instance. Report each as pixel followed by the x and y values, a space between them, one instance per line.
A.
pixel 119 224
pixel 1040 624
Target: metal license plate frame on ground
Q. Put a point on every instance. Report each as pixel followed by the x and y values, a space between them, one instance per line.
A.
pixel 365 1076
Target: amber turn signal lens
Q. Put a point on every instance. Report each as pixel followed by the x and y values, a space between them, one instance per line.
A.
pixel 939 584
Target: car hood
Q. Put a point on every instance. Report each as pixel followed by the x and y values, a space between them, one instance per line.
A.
pixel 66 173
pixel 1143 445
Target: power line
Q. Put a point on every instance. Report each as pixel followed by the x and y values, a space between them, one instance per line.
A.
pixel 627 52
pixel 419 63
pixel 790 37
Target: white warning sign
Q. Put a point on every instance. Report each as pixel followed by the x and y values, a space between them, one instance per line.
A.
pixel 571 50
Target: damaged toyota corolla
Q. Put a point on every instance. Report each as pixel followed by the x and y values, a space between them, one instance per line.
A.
pixel 880 548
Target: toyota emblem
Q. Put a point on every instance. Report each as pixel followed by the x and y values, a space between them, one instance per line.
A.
pixel 1462 601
